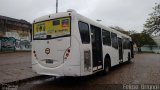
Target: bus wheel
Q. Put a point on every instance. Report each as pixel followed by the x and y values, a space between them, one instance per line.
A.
pixel 106 66
pixel 129 58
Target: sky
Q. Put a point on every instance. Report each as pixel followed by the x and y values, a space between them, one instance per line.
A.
pixel 127 14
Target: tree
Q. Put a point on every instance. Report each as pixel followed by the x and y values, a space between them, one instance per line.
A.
pixel 142 39
pixel 152 25
pixel 120 30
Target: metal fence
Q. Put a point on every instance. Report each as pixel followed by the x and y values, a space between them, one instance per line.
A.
pixel 150 48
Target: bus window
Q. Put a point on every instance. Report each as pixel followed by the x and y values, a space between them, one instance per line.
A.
pixel 51 29
pixel 84 32
pixel 106 37
pixel 56 22
pixel 114 40
pixel 126 43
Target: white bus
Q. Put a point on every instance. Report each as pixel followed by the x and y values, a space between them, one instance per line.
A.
pixel 69 44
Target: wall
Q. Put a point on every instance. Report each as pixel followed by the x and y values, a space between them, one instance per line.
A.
pixel 23 45
pixel 7 44
pixel 15 34
pixel 10 44
pixel 155 49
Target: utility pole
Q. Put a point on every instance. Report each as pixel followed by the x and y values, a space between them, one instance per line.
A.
pixel 56 6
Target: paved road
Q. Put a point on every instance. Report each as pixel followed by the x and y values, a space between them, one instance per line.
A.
pixel 15 66
pixel 145 69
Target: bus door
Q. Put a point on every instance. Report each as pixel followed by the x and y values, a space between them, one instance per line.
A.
pixel 96 48
pixel 120 50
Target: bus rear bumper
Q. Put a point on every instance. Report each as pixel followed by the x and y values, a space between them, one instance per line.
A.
pixel 61 70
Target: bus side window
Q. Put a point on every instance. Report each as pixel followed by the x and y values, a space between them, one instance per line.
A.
pixel 114 40
pixel 84 32
pixel 124 43
pixel 106 37
pixel 128 44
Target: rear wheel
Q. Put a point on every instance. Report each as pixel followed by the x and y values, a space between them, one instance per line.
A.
pixel 106 66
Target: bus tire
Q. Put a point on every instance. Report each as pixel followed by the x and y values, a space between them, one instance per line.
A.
pixel 129 57
pixel 107 65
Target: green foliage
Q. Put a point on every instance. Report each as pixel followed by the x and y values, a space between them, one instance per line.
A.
pixel 120 30
pixel 142 39
pixel 152 25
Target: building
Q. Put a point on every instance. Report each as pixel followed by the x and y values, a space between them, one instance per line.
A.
pixel 14 33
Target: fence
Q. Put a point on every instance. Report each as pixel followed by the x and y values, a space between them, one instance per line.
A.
pixel 153 48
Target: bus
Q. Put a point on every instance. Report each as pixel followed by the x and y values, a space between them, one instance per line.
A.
pixel 69 44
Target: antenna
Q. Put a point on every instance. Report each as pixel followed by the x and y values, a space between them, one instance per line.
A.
pixel 56 6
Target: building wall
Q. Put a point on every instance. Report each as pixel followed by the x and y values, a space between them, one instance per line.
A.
pixel 14 32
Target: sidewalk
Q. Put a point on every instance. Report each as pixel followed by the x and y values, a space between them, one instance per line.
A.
pixel 15 66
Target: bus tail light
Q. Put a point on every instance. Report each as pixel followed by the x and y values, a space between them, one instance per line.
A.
pixel 87 60
pixel 35 55
pixel 66 54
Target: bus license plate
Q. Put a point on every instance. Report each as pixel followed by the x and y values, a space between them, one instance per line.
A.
pixel 49 61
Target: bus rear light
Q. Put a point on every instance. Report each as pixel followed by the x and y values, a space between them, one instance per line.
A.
pixel 68 50
pixel 35 55
pixel 34 51
pixel 66 54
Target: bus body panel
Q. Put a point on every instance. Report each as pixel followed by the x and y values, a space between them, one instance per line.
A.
pixel 76 64
pixel 70 67
pixel 62 70
pixel 57 48
pixel 125 54
pixel 84 69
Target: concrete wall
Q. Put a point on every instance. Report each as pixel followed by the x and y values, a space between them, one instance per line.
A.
pixel 15 34
pixel 10 44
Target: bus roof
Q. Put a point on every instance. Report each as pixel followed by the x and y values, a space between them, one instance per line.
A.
pixel 87 20
pixel 71 12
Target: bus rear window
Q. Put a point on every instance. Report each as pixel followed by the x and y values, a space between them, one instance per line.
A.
pixel 51 29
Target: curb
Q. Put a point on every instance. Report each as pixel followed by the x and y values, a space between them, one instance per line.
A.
pixel 24 80
pixel 30 79
pixel 13 52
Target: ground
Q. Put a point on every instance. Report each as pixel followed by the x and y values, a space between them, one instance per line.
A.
pixel 144 69
pixel 15 66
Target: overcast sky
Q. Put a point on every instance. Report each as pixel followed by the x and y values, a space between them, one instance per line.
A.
pixel 128 14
